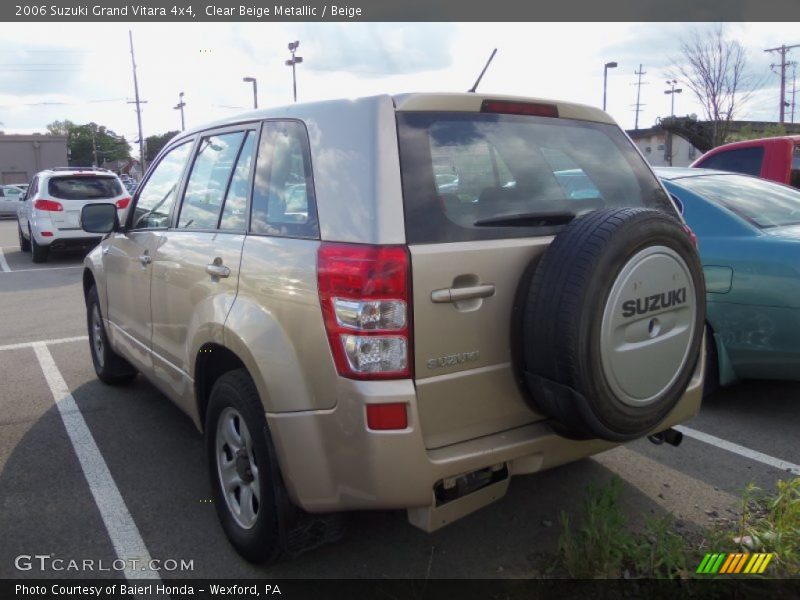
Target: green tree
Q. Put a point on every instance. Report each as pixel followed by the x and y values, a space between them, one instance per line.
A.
pixel 91 144
pixel 154 144
pixel 60 127
pixel 747 132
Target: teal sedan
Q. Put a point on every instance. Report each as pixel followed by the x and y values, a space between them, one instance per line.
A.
pixel 748 232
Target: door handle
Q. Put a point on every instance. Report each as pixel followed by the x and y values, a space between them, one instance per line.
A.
pixel 218 270
pixel 145 259
pixel 462 293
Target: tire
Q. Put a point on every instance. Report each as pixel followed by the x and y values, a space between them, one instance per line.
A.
pixel 711 382
pixel 612 324
pixel 38 253
pixel 110 367
pixel 24 244
pixel 255 532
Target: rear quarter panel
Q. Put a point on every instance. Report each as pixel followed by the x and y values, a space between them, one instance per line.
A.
pixel 276 327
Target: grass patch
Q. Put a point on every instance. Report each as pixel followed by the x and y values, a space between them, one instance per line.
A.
pixel 771 523
pixel 601 544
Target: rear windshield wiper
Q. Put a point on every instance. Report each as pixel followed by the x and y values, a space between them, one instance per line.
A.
pixel 531 219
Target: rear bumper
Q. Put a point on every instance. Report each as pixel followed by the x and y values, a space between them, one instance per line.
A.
pixel 65 240
pixel 331 461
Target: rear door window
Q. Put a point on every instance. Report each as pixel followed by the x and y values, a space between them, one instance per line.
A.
pixel 742 160
pixel 84 187
pixel 209 179
pixel 234 213
pixel 471 176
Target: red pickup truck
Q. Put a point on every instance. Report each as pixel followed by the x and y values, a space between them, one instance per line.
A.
pixel 776 158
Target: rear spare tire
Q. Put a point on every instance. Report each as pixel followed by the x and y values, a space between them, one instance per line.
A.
pixel 613 323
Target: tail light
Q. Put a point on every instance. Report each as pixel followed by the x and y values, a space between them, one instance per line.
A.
pixel 48 205
pixel 692 235
pixel 365 297
pixel 123 203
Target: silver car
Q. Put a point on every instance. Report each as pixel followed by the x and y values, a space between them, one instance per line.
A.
pixel 10 195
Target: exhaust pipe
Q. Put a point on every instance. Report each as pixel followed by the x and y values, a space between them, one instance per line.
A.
pixel 671 436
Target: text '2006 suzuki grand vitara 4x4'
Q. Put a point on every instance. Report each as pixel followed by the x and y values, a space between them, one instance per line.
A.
pixel 398 302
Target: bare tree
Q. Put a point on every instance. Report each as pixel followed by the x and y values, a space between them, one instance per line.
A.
pixel 714 69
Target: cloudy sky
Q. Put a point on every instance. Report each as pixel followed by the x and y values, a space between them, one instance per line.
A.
pixel 82 72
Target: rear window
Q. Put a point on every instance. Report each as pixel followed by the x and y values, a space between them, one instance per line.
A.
pixel 84 187
pixel 762 203
pixel 472 176
pixel 742 160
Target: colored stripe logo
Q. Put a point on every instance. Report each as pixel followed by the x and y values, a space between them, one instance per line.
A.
pixel 734 563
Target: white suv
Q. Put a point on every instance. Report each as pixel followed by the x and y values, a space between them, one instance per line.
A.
pixel 49 216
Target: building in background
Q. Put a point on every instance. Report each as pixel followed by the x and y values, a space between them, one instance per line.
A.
pixel 657 144
pixel 22 156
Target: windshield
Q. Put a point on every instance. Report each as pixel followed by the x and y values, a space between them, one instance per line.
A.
pixel 84 187
pixel 473 176
pixel 760 202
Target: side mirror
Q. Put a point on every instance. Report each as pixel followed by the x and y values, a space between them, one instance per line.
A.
pixel 99 218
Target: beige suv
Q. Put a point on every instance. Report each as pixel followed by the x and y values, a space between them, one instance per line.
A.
pixel 398 302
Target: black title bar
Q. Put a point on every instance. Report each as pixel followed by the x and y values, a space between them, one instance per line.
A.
pixel 403 10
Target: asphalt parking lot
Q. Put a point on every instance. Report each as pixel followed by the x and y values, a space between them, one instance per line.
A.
pixel 148 460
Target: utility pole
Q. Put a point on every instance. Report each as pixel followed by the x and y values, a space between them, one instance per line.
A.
pixel 794 84
pixel 783 49
pixel 94 148
pixel 639 85
pixel 179 106
pixel 292 62
pixel 138 104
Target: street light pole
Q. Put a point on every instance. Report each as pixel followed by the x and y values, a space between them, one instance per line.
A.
pixel 608 65
pixel 179 106
pixel 671 92
pixel 292 62
pixel 255 89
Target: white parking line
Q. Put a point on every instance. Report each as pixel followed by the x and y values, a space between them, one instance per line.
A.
pixel 65 340
pixel 125 536
pixel 3 264
pixel 740 450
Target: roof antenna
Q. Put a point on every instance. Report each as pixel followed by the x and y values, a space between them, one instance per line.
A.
pixel 477 81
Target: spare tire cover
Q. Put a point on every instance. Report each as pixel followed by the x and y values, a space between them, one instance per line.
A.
pixel 613 323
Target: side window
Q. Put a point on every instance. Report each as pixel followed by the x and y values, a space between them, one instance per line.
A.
pixel 283 192
pixel 234 216
pixel 33 188
pixel 208 181
pixel 794 176
pixel 158 194
pixel 745 160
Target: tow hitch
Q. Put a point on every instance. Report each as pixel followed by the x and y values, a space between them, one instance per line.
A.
pixel 671 436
